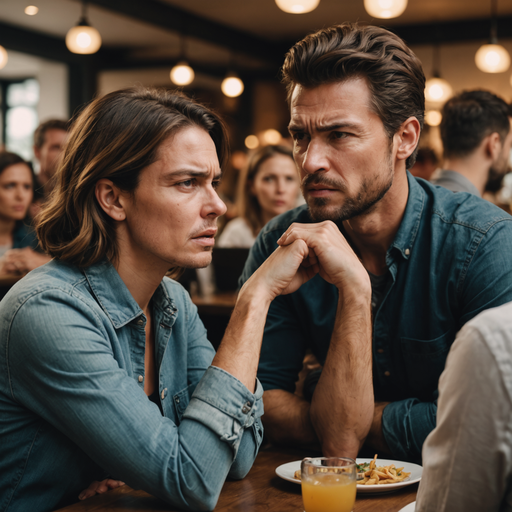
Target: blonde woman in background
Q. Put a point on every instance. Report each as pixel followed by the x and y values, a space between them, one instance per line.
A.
pixel 268 186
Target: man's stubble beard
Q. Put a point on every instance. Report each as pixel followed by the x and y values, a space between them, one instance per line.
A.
pixel 372 190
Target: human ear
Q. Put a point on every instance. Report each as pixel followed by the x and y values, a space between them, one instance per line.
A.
pixel 492 145
pixel 407 138
pixel 109 199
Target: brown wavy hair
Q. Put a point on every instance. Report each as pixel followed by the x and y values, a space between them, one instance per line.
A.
pixel 247 203
pixel 115 137
pixel 393 72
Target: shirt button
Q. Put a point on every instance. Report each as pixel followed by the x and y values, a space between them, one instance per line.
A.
pixel 247 407
pixel 380 350
pixel 407 252
pixel 163 394
pixel 140 321
pixel 177 399
pixel 387 373
pixel 141 378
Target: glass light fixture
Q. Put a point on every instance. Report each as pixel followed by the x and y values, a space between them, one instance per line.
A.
pixel 385 8
pixel 251 142
pixel 297 6
pixel 182 73
pixel 31 10
pixel 492 57
pixel 433 118
pixel 437 89
pixel 271 136
pixel 232 86
pixel 3 57
pixel 83 38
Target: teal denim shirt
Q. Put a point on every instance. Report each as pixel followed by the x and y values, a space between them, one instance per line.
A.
pixel 72 401
pixel 451 258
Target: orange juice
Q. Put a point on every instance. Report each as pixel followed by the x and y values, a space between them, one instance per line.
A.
pixel 328 492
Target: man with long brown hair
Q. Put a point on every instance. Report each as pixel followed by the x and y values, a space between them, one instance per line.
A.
pixel 106 368
pixel 403 264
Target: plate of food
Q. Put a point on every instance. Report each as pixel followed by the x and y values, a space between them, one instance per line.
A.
pixel 375 475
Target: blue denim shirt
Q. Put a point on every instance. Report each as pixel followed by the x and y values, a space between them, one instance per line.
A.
pixel 72 401
pixel 450 259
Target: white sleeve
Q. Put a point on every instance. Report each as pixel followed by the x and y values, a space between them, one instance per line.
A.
pixel 467 457
pixel 237 233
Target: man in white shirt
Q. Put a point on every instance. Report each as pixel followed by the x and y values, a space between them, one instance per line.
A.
pixel 468 457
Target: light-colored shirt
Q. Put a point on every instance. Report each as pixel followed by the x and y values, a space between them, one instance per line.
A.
pixel 237 233
pixel 454 181
pixel 72 401
pixel 467 459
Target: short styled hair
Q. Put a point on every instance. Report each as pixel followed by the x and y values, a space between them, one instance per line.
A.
pixel 469 117
pixel 51 124
pixel 393 72
pixel 115 137
pixel 248 206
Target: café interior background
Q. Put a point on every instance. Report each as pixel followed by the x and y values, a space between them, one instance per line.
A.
pixel 142 40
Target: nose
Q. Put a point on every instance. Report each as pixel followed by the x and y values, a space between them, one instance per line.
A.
pixel 214 206
pixel 314 158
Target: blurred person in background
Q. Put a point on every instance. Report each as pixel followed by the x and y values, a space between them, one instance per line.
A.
pixel 476 137
pixel 18 241
pixel 268 186
pixel 426 164
pixel 49 140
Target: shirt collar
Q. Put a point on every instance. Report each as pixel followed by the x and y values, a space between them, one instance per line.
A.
pixel 115 298
pixel 406 234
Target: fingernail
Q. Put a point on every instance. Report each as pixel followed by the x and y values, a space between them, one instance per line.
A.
pixel 81 496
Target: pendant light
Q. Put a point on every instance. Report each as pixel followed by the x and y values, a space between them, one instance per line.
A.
pixel 297 6
pixel 232 86
pixel 3 57
pixel 492 57
pixel 182 73
pixel 83 38
pixel 437 89
pixel 385 8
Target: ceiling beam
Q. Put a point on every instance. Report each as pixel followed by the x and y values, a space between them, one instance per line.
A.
pixel 183 22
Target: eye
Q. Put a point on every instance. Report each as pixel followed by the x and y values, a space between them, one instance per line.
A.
pixel 215 184
pixel 299 136
pixel 187 183
pixel 340 135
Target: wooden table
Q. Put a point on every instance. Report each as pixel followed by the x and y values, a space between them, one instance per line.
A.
pixel 219 303
pixel 261 491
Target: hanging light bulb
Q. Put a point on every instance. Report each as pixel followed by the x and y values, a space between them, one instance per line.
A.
pixel 492 57
pixel 385 8
pixel 182 73
pixel 232 86
pixel 83 38
pixel 437 89
pixel 297 6
pixel 433 118
pixel 3 57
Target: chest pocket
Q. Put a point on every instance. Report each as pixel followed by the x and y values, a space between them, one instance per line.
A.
pixel 424 363
pixel 181 401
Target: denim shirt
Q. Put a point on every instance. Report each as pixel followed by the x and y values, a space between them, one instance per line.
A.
pixel 72 401
pixel 450 259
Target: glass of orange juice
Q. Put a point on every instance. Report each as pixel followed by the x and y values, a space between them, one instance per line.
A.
pixel 328 484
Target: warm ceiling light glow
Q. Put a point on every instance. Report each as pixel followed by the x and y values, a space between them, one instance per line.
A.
pixel 433 118
pixel 492 58
pixel 251 142
pixel 83 39
pixel 232 86
pixel 3 57
pixel 182 74
pixel 271 136
pixel 297 6
pixel 437 89
pixel 31 10
pixel 385 8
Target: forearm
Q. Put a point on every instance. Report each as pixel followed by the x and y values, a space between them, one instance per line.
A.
pixel 342 406
pixel 238 353
pixel 287 420
pixel 375 439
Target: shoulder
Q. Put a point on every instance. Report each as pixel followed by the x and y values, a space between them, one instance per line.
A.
pixel 463 209
pixel 237 233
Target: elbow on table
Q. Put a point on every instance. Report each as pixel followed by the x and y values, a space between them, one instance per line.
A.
pixel 195 501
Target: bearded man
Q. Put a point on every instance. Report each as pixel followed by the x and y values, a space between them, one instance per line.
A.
pixel 402 264
pixel 476 136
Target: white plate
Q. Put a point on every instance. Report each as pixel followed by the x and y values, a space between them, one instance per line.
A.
pixel 287 472
pixel 408 508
